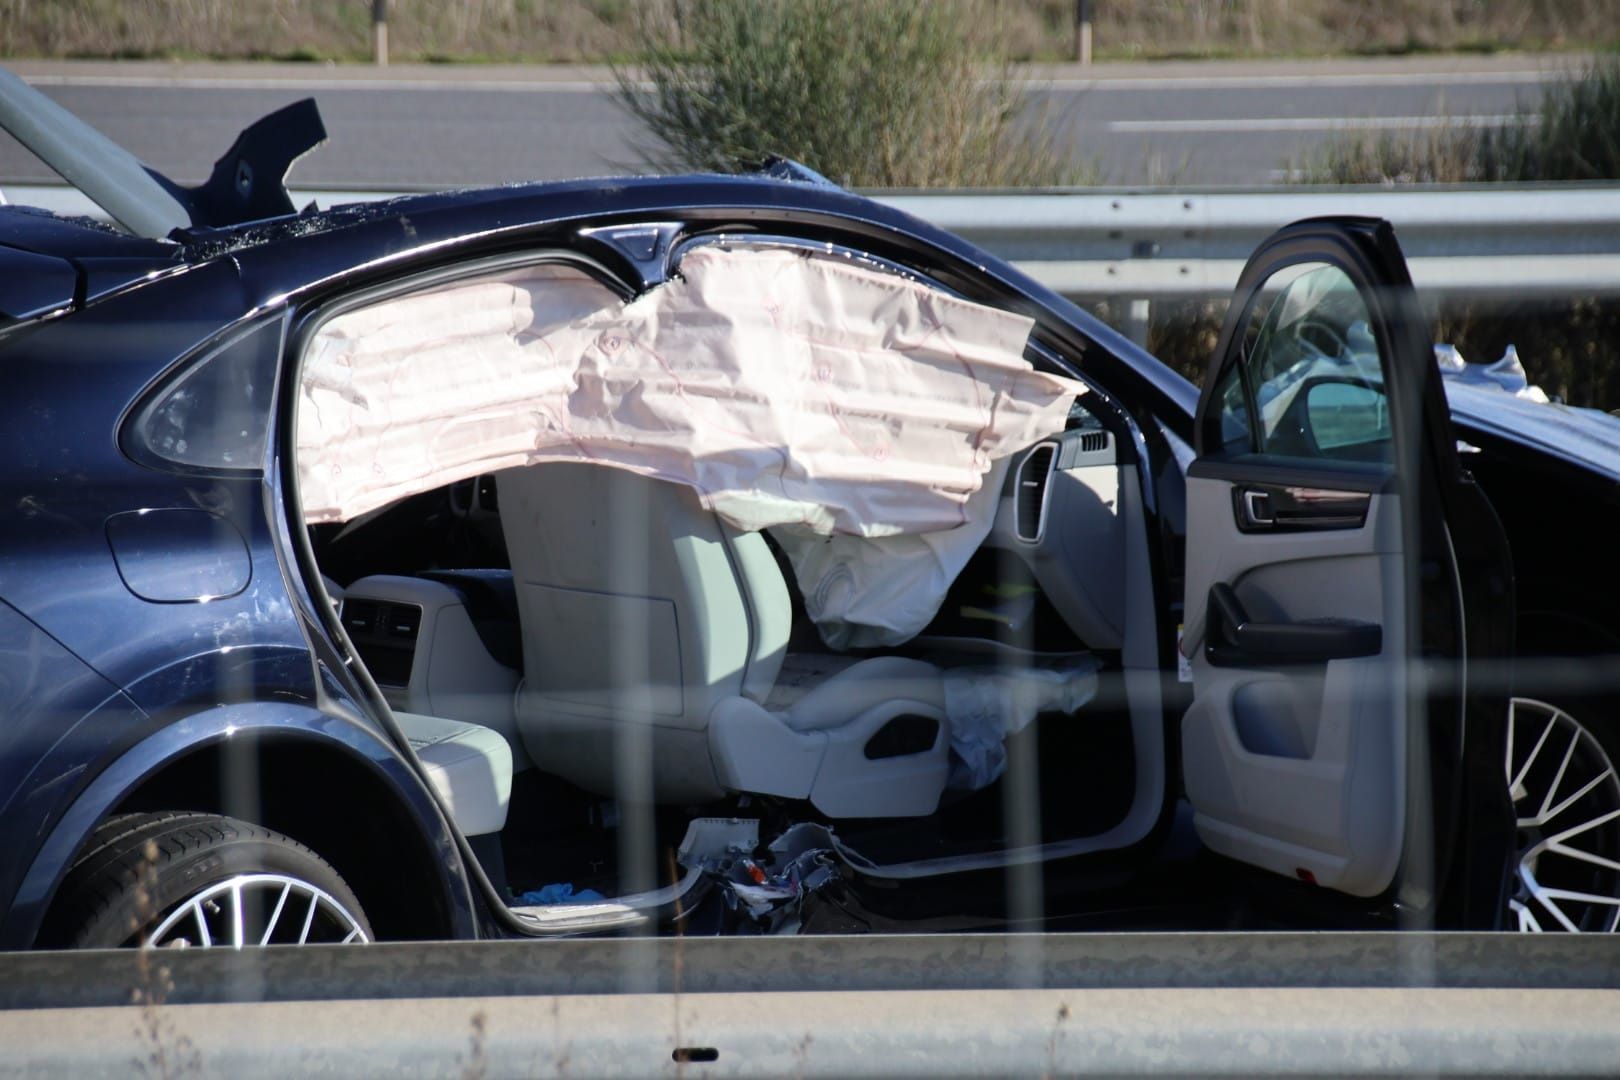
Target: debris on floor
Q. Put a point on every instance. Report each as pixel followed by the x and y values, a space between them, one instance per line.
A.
pixel 765 887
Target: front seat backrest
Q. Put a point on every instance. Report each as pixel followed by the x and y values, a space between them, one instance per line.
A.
pixel 637 606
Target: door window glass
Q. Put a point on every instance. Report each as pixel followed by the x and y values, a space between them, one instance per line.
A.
pixel 1312 365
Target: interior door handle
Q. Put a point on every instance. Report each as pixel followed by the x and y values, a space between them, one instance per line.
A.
pixel 1235 640
pixel 1295 508
pixel 1255 508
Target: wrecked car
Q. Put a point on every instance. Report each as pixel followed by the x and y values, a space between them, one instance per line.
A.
pixel 706 554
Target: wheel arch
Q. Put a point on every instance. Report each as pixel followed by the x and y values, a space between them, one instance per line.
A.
pixel 1546 630
pixel 322 780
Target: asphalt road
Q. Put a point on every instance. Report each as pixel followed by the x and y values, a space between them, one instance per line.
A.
pixel 1187 123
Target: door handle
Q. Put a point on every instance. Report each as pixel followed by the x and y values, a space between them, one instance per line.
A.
pixel 1255 509
pixel 1296 508
pixel 1235 640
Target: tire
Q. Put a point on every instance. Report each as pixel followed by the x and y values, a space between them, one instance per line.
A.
pixel 1566 797
pixel 186 879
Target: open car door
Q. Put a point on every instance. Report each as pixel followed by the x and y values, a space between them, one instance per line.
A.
pixel 1321 572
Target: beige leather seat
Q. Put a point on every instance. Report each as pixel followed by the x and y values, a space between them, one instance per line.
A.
pixel 469 765
pixel 647 622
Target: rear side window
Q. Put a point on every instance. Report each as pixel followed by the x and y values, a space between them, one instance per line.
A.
pixel 213 412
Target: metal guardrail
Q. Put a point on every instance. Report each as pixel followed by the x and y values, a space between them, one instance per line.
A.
pixel 876 1005
pixel 802 964
pixel 1532 241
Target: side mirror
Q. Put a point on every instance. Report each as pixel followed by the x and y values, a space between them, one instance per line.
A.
pixel 1342 413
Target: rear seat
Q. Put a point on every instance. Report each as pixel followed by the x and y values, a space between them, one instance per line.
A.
pixel 469 765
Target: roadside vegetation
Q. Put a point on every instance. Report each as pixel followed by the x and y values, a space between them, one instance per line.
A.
pixel 1574 134
pixel 871 93
pixel 606 30
pixel 1571 349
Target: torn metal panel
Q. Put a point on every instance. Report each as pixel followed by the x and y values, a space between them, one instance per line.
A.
pixel 615 913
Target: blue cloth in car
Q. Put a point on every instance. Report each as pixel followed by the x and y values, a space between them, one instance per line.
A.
pixel 560 893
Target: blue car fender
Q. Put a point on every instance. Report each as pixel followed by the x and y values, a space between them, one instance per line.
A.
pixel 211 727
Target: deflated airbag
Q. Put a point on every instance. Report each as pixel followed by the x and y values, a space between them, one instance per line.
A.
pixel 787 389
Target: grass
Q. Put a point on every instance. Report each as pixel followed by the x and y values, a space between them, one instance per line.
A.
pixel 606 30
pixel 871 93
pixel 1574 134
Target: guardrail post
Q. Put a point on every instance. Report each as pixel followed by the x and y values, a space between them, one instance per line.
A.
pixel 379 32
pixel 1138 315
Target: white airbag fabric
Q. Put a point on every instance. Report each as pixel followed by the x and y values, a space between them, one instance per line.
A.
pixel 868 592
pixel 986 705
pixel 787 389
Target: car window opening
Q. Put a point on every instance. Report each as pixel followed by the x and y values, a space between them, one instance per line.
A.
pixel 793 569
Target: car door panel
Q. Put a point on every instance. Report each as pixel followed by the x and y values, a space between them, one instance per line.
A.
pixel 1316 493
pixel 1293 766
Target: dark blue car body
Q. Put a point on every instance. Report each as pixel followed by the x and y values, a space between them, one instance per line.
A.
pixel 160 645
pixel 154 625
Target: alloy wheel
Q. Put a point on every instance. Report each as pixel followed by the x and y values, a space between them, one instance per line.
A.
pixel 1566 798
pixel 257 909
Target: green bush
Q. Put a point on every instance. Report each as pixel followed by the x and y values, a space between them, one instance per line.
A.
pixel 1577 136
pixel 871 93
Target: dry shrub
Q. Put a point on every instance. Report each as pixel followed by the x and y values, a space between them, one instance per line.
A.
pixel 872 93
pixel 1440 155
pixel 523 30
pixel 297 29
pixel 1570 348
pixel 1574 134
pixel 594 30
pixel 1042 29
pixel 1182 333
pixel 1577 136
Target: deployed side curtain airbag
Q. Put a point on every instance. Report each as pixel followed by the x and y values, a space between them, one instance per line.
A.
pixel 787 389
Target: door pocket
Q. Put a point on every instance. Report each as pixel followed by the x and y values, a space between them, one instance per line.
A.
pixel 1279 717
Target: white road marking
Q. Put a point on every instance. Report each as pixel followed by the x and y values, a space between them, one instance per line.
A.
pixel 1312 123
pixel 592 86
pixel 1223 82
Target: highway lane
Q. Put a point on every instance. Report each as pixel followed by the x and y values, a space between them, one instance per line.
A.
pixel 1210 131
pixel 1193 123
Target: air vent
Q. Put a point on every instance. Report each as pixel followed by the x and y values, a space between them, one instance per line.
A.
pixel 1029 509
pixel 361 617
pixel 384 636
pixel 488 497
pixel 1092 441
